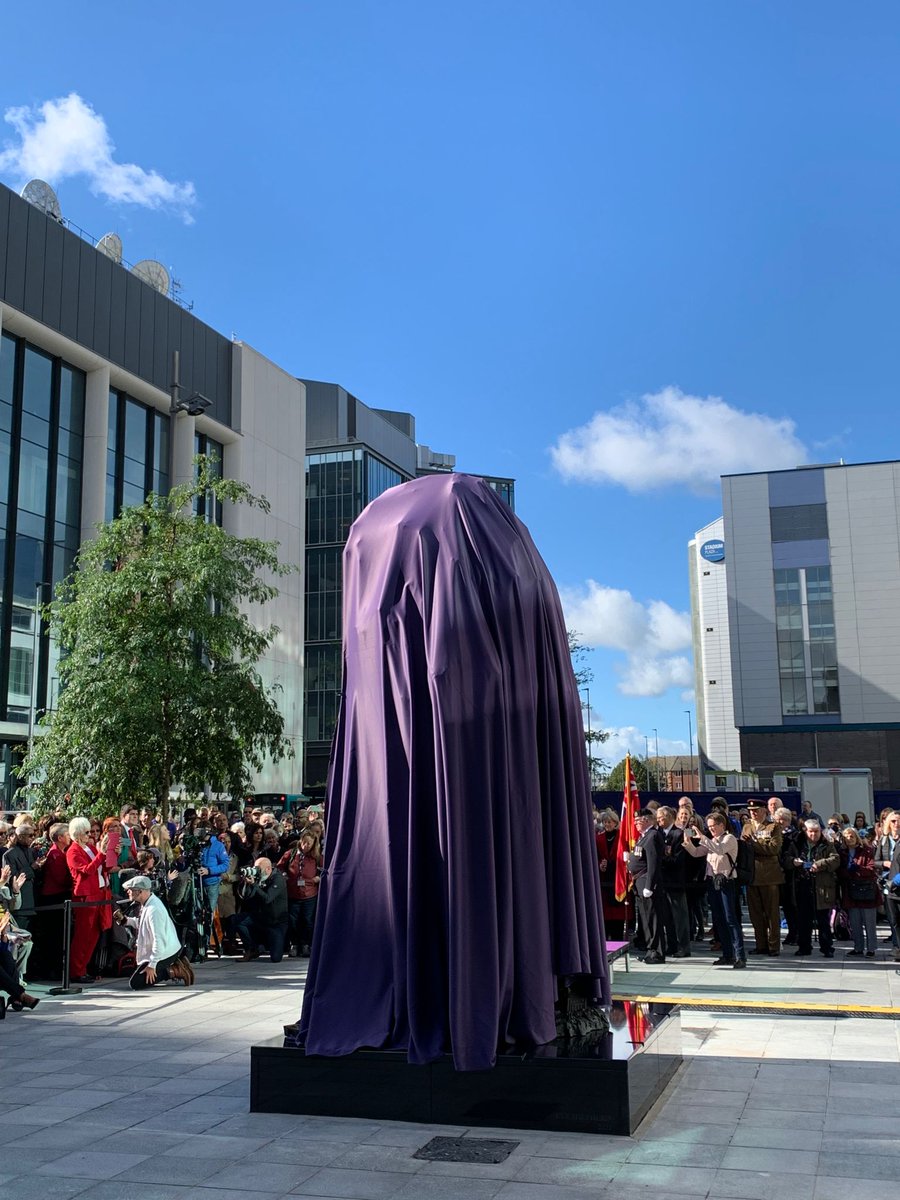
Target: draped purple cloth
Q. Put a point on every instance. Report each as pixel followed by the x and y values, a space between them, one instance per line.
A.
pixel 461 873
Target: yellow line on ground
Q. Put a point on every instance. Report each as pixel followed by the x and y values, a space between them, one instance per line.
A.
pixel 858 1010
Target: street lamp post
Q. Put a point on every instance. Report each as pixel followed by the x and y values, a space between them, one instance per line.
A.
pixel 690 744
pixel 656 735
pixel 590 742
pixel 35 659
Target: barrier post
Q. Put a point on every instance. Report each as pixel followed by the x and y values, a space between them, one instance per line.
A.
pixel 67 988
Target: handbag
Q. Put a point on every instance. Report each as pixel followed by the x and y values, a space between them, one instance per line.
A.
pixel 862 891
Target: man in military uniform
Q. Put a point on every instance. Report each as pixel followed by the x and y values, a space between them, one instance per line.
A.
pixel 644 867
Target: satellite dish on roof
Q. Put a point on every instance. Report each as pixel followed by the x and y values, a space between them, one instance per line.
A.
pixel 111 245
pixel 154 273
pixel 42 196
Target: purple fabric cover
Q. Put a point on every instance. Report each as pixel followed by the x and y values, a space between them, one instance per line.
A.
pixel 461 872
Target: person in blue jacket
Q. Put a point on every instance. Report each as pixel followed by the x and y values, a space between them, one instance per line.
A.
pixel 213 865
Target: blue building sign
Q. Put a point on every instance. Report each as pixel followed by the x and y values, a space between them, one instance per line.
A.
pixel 713 551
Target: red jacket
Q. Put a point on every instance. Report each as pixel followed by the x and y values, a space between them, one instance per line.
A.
pixel 56 879
pixel 85 872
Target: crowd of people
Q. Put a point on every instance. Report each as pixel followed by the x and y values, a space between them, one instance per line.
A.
pixel 150 897
pixel 798 877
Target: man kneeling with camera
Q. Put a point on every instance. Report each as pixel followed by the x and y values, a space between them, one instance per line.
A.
pixel 158 949
pixel 264 918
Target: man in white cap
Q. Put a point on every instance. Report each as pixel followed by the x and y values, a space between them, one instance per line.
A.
pixel 158 950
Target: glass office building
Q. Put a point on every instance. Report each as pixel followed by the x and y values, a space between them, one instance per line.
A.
pixel 87 355
pixel 339 485
pixel 41 442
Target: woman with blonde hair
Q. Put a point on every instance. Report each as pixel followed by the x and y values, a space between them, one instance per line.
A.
pixel 158 839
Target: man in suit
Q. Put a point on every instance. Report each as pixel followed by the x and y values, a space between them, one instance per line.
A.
pixel 644 867
pixel 676 920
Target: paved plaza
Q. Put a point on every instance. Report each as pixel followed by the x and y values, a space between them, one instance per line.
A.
pixel 115 1095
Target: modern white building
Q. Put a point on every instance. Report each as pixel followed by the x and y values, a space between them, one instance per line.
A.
pixel 717 737
pixel 811 569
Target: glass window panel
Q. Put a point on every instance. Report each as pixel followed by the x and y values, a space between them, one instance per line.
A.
pixel 29 569
pixel 32 477
pixel 68 491
pixel 112 421
pixel 135 431
pixel 161 444
pixel 132 497
pixel 4 466
pixel 38 383
pixel 35 430
pixel 110 509
pixel 69 444
pixel 7 368
pixel 21 668
pixel 71 399
pixel 134 472
pixel 5 416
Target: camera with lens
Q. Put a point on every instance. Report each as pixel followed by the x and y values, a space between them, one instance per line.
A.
pixel 251 874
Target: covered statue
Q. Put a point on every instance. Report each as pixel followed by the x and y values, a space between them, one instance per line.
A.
pixel 460 908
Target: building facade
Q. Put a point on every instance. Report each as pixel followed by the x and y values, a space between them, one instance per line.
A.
pixel 812 567
pixel 86 361
pixel 717 737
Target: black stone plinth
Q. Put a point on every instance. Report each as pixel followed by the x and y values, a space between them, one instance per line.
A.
pixel 605 1087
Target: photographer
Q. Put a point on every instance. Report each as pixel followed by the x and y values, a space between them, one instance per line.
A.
pixel 264 919
pixel 720 850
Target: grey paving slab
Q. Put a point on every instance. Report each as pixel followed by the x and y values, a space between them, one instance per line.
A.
pixel 668 1180
pixel 40 1187
pixel 352 1185
pixel 434 1187
pixel 183 1171
pixel 90 1164
pixel 785 1162
pixel 760 1185
pixel 380 1158
pixel 274 1177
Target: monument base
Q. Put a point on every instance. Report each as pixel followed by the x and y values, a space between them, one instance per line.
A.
pixel 607 1086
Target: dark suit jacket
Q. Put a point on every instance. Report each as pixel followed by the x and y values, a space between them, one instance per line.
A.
pixel 673 859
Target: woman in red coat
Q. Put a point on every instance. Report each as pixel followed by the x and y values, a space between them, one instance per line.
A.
pixel 89 882
pixel 614 911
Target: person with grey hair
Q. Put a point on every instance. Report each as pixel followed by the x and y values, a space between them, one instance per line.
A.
pixel 22 860
pixel 158 949
pixel 90 885
pixel 816 863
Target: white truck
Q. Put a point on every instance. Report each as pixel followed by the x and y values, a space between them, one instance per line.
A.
pixel 839 790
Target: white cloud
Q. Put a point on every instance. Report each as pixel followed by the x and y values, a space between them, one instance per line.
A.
pixel 649 634
pixel 66 137
pixel 670 438
pixel 629 739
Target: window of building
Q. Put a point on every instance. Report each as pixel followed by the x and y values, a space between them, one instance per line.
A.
pixel 42 399
pixel 137 453
pixel 208 506
pixel 799 523
pixel 807 648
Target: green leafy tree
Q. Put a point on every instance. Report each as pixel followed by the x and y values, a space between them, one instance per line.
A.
pixel 593 737
pixel 640 770
pixel 158 680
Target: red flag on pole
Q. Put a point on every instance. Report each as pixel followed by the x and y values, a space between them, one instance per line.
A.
pixel 627 831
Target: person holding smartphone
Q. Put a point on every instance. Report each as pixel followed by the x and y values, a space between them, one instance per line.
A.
pixel 720 849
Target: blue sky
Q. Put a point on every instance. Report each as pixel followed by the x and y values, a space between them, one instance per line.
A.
pixel 554 232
